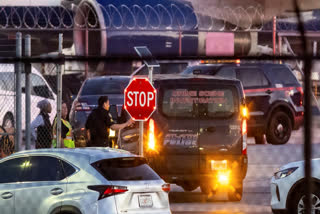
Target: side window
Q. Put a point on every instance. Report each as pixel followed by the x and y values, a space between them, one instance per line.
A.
pixel 39 87
pixel 252 77
pixel 11 170
pixel 227 72
pixel 68 169
pixel 282 76
pixel 3 85
pixel 43 168
pixel 7 81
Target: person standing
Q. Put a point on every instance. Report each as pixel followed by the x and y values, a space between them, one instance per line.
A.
pixel 66 130
pixel 98 123
pixel 41 129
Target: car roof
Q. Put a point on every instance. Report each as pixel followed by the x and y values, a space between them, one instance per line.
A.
pixel 246 64
pixel 164 77
pixel 77 155
pixel 109 77
pixel 10 68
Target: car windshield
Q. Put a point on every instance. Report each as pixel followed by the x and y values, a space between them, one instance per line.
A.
pixel 105 86
pixel 191 101
pixel 125 169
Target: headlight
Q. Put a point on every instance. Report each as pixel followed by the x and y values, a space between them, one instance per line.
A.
pixel 284 173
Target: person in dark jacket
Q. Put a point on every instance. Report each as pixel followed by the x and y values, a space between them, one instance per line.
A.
pixel 41 128
pixel 98 123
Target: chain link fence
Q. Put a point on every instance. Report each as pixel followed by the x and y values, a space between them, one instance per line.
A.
pixel 264 160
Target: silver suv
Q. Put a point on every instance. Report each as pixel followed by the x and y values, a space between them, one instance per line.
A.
pixel 80 181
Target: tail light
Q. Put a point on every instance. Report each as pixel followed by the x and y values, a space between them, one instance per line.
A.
pixel 151 135
pixel 300 89
pixel 108 190
pixel 81 106
pixel 166 187
pixel 244 136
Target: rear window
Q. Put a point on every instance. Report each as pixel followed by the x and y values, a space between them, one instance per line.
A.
pixel 125 169
pixel 282 76
pixel 188 102
pixel 104 86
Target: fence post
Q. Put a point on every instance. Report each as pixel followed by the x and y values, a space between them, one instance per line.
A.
pixel 27 67
pixel 18 71
pixel 59 95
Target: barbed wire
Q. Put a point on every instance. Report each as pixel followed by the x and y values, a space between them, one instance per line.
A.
pixel 143 17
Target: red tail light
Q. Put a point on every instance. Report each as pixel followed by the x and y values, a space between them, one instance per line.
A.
pixel 108 190
pixel 300 89
pixel 244 136
pixel 166 187
pixel 82 106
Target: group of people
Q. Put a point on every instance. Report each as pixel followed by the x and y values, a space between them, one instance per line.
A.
pixel 44 134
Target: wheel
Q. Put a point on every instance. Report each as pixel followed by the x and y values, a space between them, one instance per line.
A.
pixel 298 202
pixel 279 128
pixel 235 194
pixel 259 139
pixel 189 186
pixel 205 189
pixel 8 121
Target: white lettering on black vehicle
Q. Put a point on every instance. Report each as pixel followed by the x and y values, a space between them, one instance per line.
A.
pixel 181 140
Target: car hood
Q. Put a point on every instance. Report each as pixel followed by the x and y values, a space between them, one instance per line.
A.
pixel 314 163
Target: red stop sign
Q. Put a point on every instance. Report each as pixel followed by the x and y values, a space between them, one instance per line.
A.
pixel 140 99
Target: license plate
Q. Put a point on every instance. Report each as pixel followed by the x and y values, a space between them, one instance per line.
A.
pixel 145 201
pixel 219 165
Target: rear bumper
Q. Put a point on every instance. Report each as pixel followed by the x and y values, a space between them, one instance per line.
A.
pixel 237 167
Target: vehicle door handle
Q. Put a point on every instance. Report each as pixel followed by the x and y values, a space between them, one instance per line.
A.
pixel 269 91
pixel 56 191
pixel 210 129
pixel 7 195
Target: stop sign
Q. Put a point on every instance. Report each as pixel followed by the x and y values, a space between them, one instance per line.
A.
pixel 140 99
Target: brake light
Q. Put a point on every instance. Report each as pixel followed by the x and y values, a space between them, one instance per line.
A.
pixel 244 112
pixel 244 136
pixel 300 89
pixel 108 190
pixel 82 106
pixel 151 135
pixel 166 187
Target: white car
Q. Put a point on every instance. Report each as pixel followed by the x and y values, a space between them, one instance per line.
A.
pixel 287 187
pixel 40 90
pixel 80 181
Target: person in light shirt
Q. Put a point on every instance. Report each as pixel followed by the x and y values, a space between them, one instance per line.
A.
pixel 41 128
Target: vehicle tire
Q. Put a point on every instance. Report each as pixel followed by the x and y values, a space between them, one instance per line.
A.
pixel 189 186
pixel 205 189
pixel 259 139
pixel 235 194
pixel 279 128
pixel 297 205
pixel 8 121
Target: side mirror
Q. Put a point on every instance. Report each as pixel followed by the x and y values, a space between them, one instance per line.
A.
pixel 73 97
pixel 114 112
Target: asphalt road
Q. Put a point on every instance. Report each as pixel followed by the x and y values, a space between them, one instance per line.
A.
pixel 264 160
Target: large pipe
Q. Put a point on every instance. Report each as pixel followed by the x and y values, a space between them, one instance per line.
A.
pixel 168 29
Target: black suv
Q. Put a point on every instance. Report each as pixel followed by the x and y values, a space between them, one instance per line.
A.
pixel 273 96
pixel 197 135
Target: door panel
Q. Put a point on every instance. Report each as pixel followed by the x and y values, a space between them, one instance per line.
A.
pixel 257 91
pixel 43 186
pixel 180 132
pixel 10 173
